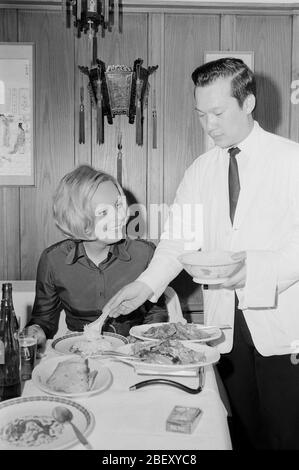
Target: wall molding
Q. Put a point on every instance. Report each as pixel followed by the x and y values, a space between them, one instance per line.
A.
pixel 172 6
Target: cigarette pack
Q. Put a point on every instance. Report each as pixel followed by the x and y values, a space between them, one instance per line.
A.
pixel 183 419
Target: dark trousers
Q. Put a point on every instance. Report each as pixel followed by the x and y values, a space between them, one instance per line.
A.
pixel 263 394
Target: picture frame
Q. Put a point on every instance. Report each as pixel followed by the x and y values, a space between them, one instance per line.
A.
pixel 17 119
pixel 248 59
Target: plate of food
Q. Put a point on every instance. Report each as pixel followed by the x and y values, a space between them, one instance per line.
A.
pixel 71 376
pixel 89 343
pixel 168 355
pixel 182 332
pixel 28 423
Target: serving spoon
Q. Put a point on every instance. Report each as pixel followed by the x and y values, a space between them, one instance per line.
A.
pixel 98 323
pixel 64 415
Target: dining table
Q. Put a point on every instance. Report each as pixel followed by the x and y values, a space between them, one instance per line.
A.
pixel 127 419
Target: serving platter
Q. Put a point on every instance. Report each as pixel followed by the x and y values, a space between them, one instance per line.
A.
pixel 44 370
pixel 27 423
pixel 212 356
pixel 212 332
pixel 63 344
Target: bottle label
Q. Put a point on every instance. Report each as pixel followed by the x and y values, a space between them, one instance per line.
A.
pixel 2 353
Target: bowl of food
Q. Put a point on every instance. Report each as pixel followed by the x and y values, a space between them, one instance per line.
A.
pixel 89 343
pixel 210 267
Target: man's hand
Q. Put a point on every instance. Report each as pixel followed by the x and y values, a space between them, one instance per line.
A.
pixel 238 278
pixel 39 334
pixel 129 298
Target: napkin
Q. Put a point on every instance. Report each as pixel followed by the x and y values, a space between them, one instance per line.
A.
pixel 170 373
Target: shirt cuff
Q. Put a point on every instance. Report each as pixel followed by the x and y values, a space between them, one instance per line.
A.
pixel 157 277
pixel 260 289
pixel 157 292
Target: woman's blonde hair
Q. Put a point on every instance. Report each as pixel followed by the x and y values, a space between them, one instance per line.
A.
pixel 72 209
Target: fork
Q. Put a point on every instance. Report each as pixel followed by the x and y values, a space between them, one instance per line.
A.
pixel 107 354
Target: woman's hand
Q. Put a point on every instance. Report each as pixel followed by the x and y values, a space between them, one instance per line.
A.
pixel 39 334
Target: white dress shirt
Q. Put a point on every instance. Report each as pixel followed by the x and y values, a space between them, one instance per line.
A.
pixel 266 226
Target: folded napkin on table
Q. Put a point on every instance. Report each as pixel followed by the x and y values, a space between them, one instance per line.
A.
pixel 176 373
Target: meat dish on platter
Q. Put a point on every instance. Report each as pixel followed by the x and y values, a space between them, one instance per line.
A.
pixel 167 352
pixel 179 331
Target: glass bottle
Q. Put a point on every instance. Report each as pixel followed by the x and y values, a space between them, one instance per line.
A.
pixel 10 381
pixel 7 294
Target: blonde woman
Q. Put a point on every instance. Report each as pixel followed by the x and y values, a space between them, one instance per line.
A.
pixel 82 272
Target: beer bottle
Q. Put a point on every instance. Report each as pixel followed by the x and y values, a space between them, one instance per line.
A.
pixel 10 381
pixel 7 294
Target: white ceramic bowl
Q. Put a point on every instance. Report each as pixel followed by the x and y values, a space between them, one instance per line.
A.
pixel 209 267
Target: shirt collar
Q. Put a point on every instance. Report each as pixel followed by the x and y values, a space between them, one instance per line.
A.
pixel 76 251
pixel 120 250
pixel 248 145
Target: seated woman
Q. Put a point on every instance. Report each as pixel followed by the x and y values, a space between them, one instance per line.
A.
pixel 82 272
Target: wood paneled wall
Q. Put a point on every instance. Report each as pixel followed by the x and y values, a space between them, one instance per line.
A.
pixel 176 42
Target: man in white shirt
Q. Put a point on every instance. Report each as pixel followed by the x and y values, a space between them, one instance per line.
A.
pixel 248 189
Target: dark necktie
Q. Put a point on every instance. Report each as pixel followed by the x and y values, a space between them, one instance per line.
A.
pixel 233 181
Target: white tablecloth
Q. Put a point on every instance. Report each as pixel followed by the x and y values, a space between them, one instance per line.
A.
pixel 131 420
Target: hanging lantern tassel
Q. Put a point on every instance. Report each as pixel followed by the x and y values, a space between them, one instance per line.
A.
pixel 100 120
pixel 79 10
pixel 119 159
pixel 116 15
pixel 94 51
pixel 120 16
pixel 106 13
pixel 81 118
pixel 139 139
pixel 154 121
pixel 138 124
pixel 78 17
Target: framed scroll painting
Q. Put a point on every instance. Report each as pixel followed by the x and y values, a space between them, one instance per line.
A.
pixel 248 59
pixel 17 165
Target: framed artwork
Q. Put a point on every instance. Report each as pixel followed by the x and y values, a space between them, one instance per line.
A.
pixel 248 59
pixel 17 163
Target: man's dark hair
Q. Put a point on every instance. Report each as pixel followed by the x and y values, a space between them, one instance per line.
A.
pixel 243 80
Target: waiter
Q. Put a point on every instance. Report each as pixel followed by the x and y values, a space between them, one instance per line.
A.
pixel 248 188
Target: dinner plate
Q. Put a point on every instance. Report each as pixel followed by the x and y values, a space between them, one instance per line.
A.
pixel 212 355
pixel 42 431
pixel 44 370
pixel 63 344
pixel 139 330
